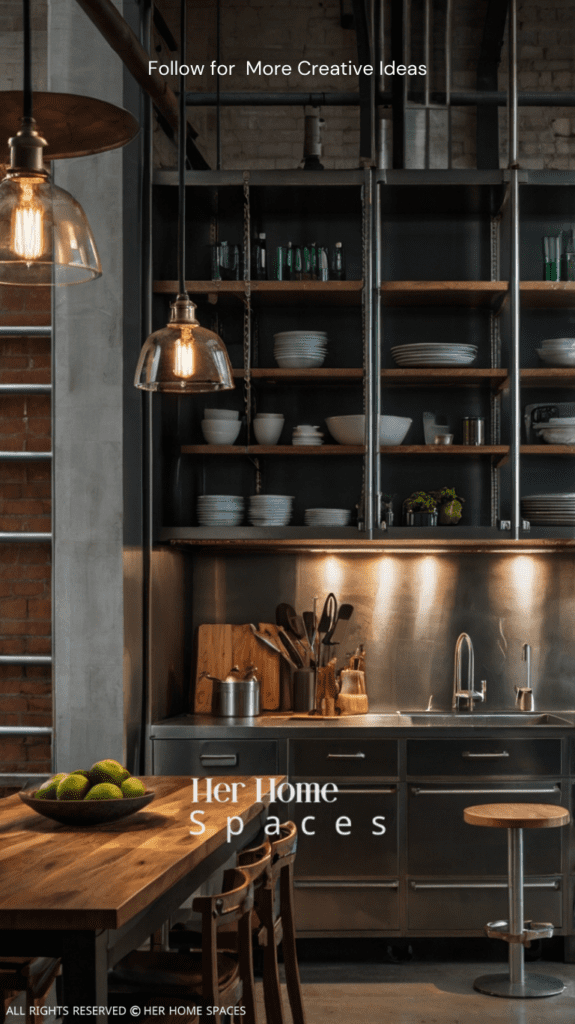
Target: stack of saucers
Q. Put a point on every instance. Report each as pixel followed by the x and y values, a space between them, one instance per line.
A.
pixel 430 353
pixel 220 510
pixel 327 516
pixel 549 509
pixel 557 352
pixel 270 509
pixel 300 349
pixel 558 430
pixel 305 435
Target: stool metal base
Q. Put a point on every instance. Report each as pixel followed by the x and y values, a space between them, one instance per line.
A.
pixel 535 986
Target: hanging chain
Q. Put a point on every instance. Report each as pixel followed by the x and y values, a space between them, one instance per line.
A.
pixel 247 327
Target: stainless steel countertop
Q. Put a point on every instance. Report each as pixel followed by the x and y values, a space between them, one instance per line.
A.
pixel 202 726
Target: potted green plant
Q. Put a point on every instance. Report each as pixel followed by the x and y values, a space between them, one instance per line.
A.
pixel 420 509
pixel 450 506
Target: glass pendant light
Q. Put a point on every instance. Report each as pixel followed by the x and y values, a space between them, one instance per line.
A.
pixel 45 238
pixel 183 358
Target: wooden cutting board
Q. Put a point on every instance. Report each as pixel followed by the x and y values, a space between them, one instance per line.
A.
pixel 220 646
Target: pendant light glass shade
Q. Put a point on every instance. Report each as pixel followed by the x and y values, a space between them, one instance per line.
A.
pixel 184 358
pixel 45 238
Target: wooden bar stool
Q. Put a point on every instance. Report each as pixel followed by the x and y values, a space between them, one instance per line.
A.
pixel 516 817
pixel 30 974
pixel 276 924
pixel 216 977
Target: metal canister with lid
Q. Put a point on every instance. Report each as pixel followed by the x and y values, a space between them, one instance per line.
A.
pixel 473 430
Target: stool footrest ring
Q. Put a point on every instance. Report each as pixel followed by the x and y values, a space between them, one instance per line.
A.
pixel 532 930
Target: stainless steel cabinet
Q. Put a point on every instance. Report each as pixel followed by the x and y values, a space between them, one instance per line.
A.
pixel 464 906
pixel 336 759
pixel 214 757
pixel 492 756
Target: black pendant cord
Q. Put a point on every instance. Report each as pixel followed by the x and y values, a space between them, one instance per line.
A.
pixel 27 33
pixel 182 158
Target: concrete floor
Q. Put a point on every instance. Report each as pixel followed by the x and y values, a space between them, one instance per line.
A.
pixel 417 993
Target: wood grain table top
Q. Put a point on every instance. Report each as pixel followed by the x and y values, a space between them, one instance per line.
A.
pixel 73 877
pixel 516 815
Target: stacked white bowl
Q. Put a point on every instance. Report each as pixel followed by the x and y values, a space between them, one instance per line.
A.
pixel 557 352
pixel 221 426
pixel 327 516
pixel 307 435
pixel 270 509
pixel 300 349
pixel 268 427
pixel 220 510
pixel 559 430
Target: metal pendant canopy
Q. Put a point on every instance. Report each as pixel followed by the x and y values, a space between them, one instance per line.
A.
pixel 73 125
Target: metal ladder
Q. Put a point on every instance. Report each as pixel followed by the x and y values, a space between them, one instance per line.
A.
pixel 18 537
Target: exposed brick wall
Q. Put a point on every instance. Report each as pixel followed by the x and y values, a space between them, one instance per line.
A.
pixel 278 31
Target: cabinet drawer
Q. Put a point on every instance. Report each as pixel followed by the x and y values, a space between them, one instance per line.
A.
pixel 214 757
pixel 347 908
pixel 362 758
pixel 440 842
pixel 359 855
pixel 468 906
pixel 490 756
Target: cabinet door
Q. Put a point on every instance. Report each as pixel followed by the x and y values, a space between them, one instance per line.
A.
pixel 361 854
pixel 214 757
pixel 343 909
pixel 470 904
pixel 441 843
pixel 493 756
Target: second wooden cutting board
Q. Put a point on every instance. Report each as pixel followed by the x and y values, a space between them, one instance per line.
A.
pixel 220 646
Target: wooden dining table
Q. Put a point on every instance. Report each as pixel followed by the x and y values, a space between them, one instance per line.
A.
pixel 92 894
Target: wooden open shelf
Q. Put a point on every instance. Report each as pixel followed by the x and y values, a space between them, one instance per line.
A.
pixel 315 375
pixel 548 449
pixel 421 377
pixel 476 294
pixel 272 293
pixel 444 377
pixel 272 449
pixel 549 377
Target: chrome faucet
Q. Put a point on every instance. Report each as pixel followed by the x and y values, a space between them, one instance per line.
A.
pixel 524 698
pixel 470 694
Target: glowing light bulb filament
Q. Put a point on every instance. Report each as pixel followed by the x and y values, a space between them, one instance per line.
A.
pixel 184 359
pixel 27 227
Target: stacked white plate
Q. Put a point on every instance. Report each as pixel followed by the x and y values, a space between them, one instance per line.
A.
pixel 559 430
pixel 270 509
pixel 557 352
pixel 327 516
pixel 300 350
pixel 307 435
pixel 549 509
pixel 431 353
pixel 220 510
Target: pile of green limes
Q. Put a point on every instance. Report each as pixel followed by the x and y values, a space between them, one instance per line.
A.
pixel 105 780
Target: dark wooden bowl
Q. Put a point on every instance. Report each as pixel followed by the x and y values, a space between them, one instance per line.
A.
pixel 86 812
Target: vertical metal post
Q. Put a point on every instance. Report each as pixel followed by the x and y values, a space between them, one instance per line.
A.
pixel 515 876
pixel 514 292
pixel 368 348
pixel 377 338
pixel 427 88
pixel 448 20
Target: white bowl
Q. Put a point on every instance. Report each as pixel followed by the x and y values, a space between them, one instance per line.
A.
pixel 221 414
pixel 565 357
pixel 557 435
pixel 268 431
pixel 220 431
pixel 351 429
pixel 270 416
pixel 299 362
pixel 559 343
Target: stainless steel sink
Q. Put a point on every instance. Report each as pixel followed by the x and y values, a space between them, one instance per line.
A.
pixel 497 719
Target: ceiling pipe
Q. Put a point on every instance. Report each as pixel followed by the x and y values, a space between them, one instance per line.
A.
pixel 351 99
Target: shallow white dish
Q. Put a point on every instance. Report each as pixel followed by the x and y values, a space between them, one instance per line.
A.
pixel 299 363
pixel 351 429
pixel 557 435
pixel 559 358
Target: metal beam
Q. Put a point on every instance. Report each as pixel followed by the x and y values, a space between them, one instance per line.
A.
pixel 366 83
pixel 398 38
pixel 126 44
pixel 471 98
pixel 487 130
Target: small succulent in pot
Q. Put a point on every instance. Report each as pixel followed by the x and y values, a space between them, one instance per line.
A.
pixel 450 506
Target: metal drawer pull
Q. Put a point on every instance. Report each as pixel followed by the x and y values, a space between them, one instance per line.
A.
pixel 367 793
pixel 346 885
pixel 416 886
pixel 220 760
pixel 484 757
pixel 338 757
pixel 418 791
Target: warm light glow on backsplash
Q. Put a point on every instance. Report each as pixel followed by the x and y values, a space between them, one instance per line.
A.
pixel 427 572
pixel 332 574
pixel 523 574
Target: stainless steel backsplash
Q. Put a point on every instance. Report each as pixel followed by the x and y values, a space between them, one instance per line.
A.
pixel 409 611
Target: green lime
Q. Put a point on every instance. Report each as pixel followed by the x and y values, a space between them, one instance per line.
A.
pixel 49 789
pixel 133 787
pixel 107 771
pixel 104 791
pixel 73 787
